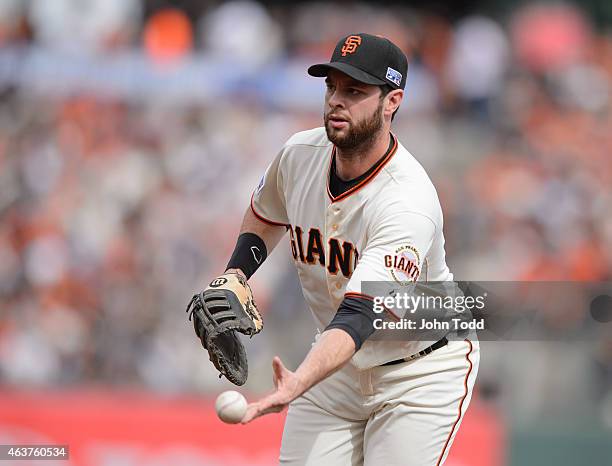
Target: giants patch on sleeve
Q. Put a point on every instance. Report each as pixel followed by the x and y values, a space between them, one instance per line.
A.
pixel 403 265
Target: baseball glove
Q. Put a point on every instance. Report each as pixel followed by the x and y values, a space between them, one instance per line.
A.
pixel 225 307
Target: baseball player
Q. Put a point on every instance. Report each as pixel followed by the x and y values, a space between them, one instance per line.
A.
pixel 358 207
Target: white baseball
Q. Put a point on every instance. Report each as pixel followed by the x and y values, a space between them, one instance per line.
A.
pixel 231 406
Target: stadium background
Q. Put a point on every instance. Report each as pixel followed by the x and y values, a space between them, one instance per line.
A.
pixel 131 136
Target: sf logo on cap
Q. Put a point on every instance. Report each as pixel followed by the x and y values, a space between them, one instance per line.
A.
pixel 350 45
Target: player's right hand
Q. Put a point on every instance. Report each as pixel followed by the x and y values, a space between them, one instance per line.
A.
pixel 288 388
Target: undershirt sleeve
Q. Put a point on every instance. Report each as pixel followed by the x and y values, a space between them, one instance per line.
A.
pixel 355 316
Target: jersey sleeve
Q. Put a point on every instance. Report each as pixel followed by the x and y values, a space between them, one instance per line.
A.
pixel 395 250
pixel 268 200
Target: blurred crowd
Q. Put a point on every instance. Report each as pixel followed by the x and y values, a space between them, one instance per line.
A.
pixel 115 209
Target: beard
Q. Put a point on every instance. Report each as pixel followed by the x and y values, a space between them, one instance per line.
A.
pixel 359 135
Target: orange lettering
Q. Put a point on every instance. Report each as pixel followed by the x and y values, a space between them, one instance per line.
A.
pixel 350 45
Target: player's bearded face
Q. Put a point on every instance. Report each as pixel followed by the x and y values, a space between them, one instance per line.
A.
pixel 357 133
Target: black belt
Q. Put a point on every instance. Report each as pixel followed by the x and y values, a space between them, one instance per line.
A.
pixel 437 345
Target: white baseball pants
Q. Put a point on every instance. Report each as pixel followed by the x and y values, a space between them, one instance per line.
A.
pixel 406 414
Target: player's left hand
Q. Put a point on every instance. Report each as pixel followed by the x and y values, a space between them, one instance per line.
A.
pixel 287 385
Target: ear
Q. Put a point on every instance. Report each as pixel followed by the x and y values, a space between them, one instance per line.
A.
pixel 392 101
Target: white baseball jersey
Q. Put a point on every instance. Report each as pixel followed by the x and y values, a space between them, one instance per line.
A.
pixel 388 227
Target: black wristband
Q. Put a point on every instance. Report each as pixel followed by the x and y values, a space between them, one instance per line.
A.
pixel 249 254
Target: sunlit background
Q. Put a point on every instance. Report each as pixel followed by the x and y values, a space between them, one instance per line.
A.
pixel 132 134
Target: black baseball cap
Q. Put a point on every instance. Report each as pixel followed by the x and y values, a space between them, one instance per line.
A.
pixel 367 58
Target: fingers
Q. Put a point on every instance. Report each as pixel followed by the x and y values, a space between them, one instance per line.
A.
pixel 278 368
pixel 251 413
pixel 270 404
pixel 277 371
pixel 273 403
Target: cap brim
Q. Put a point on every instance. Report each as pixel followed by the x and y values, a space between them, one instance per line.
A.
pixel 321 70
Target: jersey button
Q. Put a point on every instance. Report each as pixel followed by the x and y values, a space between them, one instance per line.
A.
pixel 338 285
pixel 334 227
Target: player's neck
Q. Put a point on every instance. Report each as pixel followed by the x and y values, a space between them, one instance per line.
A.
pixel 355 162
